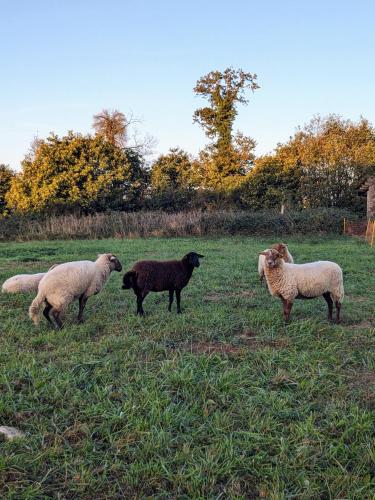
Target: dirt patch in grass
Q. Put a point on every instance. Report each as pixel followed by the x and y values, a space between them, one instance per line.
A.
pixel 212 348
pixel 217 297
pixel 22 416
pixel 365 324
pixel 75 434
pixel 362 341
pixel 356 298
pixel 254 342
pixel 249 341
pixel 363 382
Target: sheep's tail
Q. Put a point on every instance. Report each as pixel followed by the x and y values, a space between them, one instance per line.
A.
pixel 128 280
pixel 35 307
pixel 339 292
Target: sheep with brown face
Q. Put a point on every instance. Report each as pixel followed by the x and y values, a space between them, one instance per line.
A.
pixel 304 281
pixel 282 248
pixel 159 276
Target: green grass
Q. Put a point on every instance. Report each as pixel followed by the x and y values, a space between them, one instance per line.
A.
pixel 223 401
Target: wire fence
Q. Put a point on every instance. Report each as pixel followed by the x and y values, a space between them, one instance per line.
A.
pixel 363 228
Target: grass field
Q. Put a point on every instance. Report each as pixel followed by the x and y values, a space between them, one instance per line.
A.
pixel 223 401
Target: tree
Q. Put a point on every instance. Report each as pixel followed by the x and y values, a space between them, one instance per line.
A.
pixel 269 185
pixel 77 172
pixel 172 171
pixel 226 156
pixel 172 181
pixel 330 155
pixel 6 176
pixel 112 126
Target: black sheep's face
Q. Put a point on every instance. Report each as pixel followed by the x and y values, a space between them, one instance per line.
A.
pixel 193 258
pixel 115 263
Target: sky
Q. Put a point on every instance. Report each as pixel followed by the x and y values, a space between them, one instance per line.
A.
pixel 62 61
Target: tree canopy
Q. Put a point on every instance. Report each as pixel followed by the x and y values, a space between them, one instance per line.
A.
pixel 76 172
pixel 227 157
pixel 112 126
pixel 330 155
pixel 6 176
pixel 319 166
pixel 172 171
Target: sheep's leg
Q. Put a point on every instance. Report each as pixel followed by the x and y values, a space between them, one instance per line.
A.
pixel 338 308
pixel 56 316
pixel 171 292
pixel 82 304
pixel 329 301
pixel 178 299
pixel 140 298
pixel 287 307
pixel 46 312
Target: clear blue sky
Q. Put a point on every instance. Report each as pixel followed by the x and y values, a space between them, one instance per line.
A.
pixel 63 60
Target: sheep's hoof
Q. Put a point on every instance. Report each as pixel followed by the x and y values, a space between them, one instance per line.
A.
pixel 80 321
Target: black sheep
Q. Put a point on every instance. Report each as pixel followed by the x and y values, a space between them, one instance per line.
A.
pixel 159 276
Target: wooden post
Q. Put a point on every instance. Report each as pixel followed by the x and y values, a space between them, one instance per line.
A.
pixel 344 224
pixel 373 232
pixel 368 228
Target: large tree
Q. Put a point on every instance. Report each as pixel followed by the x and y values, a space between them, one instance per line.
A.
pixel 77 172
pixel 6 176
pixel 112 126
pixel 228 155
pixel 330 155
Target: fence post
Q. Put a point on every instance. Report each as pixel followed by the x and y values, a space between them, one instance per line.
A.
pixel 373 232
pixel 368 228
pixel 344 224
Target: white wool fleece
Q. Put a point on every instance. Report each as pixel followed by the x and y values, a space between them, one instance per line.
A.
pixel 307 280
pixel 69 281
pixel 22 283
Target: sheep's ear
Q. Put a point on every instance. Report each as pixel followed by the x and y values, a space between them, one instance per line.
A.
pixel 200 256
pixel 263 253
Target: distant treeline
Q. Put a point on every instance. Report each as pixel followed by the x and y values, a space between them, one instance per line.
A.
pixel 320 166
pixel 164 224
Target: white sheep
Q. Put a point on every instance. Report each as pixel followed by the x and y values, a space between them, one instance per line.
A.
pixel 304 281
pixel 69 281
pixel 282 248
pixel 23 283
